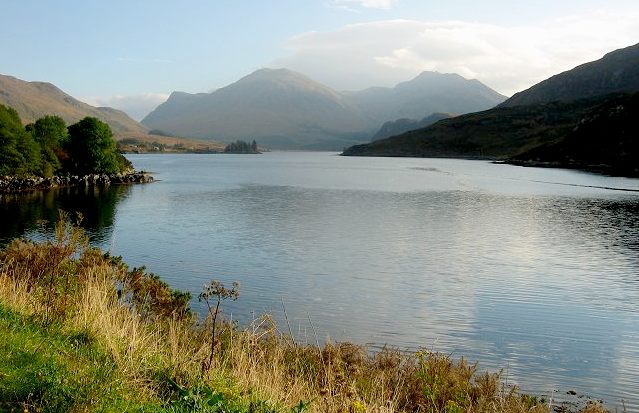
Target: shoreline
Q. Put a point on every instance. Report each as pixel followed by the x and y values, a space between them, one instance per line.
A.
pixel 13 184
pixel 601 169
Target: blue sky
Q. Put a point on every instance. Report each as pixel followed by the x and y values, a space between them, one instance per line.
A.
pixel 132 54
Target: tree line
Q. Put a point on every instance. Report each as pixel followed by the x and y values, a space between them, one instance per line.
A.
pixel 48 147
pixel 241 147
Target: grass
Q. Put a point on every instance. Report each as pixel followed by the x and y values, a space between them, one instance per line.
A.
pixel 83 332
pixel 47 368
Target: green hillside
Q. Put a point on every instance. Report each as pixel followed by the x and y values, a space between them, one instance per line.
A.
pixel 606 139
pixel 493 134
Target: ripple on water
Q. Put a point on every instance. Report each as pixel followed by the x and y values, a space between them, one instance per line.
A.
pixel 534 271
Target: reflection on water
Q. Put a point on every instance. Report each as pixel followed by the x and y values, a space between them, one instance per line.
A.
pixel 535 271
pixel 36 212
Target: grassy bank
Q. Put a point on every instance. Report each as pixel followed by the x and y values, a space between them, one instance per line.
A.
pixel 83 332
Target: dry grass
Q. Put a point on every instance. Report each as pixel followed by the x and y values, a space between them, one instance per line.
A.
pixel 155 343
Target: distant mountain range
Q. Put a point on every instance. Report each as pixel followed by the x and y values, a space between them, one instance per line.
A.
pixel 34 100
pixel 399 126
pixel 545 124
pixel 284 109
pixel 428 93
pixel 278 108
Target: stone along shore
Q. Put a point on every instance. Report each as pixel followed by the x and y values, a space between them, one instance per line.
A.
pixel 18 184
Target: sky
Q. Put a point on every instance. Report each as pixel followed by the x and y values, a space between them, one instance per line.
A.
pixel 132 54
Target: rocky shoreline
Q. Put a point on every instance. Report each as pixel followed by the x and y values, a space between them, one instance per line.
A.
pixel 20 184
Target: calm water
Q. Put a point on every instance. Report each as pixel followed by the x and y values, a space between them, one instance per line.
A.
pixel 535 271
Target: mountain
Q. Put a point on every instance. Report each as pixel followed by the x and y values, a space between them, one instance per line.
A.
pixel 400 126
pixel 605 139
pixel 616 72
pixel 277 107
pixel 284 109
pixel 32 100
pixel 493 134
pixel 430 92
pixel 582 133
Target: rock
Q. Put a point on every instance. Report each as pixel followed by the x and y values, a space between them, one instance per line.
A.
pixel 18 184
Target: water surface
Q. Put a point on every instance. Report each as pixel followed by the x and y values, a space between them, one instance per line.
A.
pixel 535 271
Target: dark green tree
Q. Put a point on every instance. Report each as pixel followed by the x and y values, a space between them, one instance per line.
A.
pixel 10 128
pixel 19 153
pixel 50 132
pixel 92 149
pixel 241 147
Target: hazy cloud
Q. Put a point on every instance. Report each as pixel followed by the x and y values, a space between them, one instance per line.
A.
pixel 506 58
pixel 136 106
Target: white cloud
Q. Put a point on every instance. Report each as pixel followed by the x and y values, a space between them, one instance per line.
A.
pixel 136 106
pixel 506 58
pixel 368 4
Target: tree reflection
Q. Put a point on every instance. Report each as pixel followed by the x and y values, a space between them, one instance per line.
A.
pixel 37 211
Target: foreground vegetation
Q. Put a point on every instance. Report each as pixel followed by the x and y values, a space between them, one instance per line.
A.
pixel 83 332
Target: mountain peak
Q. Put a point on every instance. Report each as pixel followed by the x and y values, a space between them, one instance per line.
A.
pixel 276 75
pixel 615 72
pixel 281 80
pixel 275 72
pixel 436 80
pixel 434 75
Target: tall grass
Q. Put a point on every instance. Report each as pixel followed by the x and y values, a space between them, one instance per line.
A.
pixel 172 361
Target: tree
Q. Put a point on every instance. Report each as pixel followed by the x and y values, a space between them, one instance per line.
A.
pixel 92 149
pixel 48 146
pixel 50 132
pixel 19 153
pixel 241 147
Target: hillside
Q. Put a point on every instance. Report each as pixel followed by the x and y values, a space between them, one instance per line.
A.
pixel 284 109
pixel 606 139
pixel 400 126
pixel 34 100
pixel 616 72
pixel 593 132
pixel 493 134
